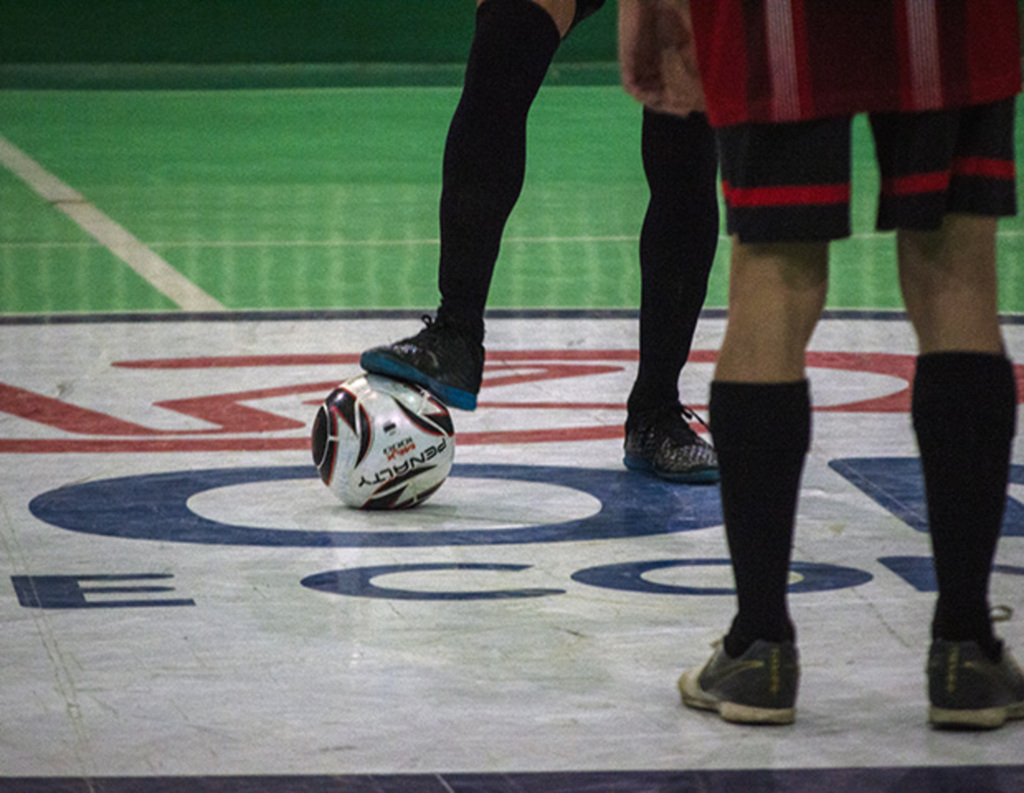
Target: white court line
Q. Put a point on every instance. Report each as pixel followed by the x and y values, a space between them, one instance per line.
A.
pixel 325 243
pixel 396 243
pixel 118 240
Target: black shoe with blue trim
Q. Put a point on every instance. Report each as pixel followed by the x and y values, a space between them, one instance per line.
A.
pixel 661 442
pixel 443 358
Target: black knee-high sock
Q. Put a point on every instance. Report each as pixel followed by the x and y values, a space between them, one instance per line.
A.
pixel 762 433
pixel 677 248
pixel 964 412
pixel 485 152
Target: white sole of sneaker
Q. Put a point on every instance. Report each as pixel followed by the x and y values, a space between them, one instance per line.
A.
pixel 980 719
pixel 695 697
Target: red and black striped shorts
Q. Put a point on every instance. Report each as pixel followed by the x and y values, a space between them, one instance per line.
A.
pixel 791 182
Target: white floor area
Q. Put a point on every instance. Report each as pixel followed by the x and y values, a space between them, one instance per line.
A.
pixel 532 616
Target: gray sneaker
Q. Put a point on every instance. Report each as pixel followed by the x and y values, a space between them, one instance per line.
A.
pixel 661 442
pixel 759 687
pixel 967 690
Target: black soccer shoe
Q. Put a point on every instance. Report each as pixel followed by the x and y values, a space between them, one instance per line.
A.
pixel 442 358
pixel 759 687
pixel 968 690
pixel 661 442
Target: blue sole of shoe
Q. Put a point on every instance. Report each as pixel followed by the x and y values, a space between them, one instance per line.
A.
pixel 452 397
pixel 704 476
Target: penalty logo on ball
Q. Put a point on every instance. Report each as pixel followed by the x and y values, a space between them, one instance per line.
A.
pixel 380 443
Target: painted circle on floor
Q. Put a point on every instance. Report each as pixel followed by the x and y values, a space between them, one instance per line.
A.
pixel 156 507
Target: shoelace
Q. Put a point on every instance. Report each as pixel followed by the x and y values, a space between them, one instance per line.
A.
pixel 443 325
pixel 691 415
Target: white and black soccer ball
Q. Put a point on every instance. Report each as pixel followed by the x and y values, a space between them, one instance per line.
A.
pixel 380 443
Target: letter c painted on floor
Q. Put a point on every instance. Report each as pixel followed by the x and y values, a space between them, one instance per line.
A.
pixel 358 581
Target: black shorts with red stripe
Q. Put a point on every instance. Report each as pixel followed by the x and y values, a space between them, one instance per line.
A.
pixel 791 182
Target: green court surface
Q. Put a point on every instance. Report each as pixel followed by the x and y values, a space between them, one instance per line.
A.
pixel 326 198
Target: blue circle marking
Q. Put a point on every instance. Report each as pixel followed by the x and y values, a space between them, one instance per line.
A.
pixel 629 577
pixel 155 507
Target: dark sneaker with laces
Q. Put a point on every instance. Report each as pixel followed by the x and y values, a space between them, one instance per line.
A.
pixel 759 687
pixel 442 358
pixel 661 442
pixel 968 690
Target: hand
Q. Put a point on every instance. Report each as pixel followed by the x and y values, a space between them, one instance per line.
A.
pixel 656 56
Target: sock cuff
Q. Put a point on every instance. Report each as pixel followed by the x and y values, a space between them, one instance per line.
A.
pixel 960 365
pixel 761 415
pixel 965 391
pixel 514 18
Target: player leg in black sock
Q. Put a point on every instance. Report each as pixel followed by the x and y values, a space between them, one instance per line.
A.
pixel 485 152
pixel 762 433
pixel 483 170
pixel 677 248
pixel 964 413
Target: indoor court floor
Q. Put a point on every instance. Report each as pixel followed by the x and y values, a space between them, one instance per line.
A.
pixel 185 274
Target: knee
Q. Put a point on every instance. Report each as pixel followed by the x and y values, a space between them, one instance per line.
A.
pixel 562 12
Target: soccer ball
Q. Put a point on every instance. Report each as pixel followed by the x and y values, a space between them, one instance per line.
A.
pixel 380 443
